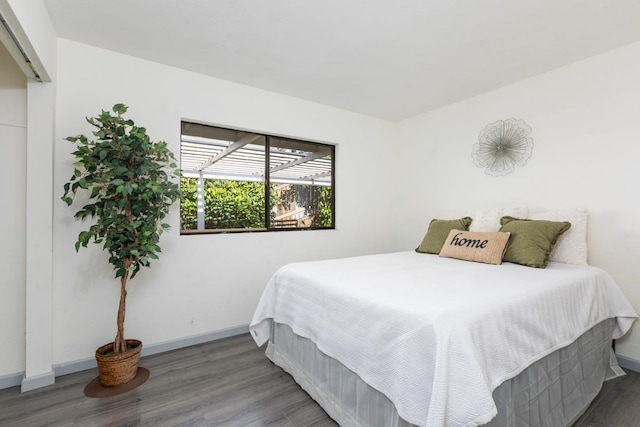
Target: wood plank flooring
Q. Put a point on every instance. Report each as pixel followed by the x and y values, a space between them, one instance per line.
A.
pixel 228 383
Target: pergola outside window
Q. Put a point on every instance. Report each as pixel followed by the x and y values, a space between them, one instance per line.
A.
pixel 234 180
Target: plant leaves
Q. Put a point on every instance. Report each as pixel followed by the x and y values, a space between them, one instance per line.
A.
pixel 127 177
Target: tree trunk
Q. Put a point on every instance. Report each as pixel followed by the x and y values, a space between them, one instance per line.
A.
pixel 119 344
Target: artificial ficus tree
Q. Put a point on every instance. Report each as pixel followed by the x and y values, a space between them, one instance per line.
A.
pixel 130 187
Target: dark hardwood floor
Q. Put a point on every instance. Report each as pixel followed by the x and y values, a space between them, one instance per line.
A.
pixel 227 383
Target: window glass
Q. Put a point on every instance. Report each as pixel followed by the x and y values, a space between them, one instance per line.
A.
pixel 244 181
pixel 300 174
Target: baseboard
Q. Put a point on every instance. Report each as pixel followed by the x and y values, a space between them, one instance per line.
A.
pixel 194 340
pixel 74 366
pixel 161 347
pixel 13 380
pixel 628 363
pixel 37 381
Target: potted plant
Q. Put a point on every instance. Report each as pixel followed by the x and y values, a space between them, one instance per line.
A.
pixel 128 181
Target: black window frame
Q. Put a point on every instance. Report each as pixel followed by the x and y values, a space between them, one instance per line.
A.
pixel 266 182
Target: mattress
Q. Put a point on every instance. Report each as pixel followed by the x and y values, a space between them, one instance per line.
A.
pixel 553 391
pixel 437 336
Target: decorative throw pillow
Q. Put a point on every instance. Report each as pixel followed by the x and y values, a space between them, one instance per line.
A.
pixel 487 219
pixel 531 240
pixel 571 247
pixel 487 247
pixel 438 231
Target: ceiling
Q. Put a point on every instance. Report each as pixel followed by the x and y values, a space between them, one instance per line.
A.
pixel 386 59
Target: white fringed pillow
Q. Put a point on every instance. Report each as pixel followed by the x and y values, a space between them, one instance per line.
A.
pixel 487 219
pixel 571 247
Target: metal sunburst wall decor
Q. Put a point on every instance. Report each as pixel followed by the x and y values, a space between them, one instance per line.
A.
pixel 503 145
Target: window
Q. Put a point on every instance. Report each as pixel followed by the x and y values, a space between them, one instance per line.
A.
pixel 245 181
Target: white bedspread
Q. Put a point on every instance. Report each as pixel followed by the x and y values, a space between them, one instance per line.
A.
pixel 437 335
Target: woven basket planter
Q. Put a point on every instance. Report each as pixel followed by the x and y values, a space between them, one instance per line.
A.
pixel 115 369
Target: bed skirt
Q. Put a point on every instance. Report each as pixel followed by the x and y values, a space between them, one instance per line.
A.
pixel 553 391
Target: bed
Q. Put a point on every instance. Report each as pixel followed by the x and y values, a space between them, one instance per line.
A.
pixel 408 338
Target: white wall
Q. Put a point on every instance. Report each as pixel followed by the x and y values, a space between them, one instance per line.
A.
pixel 13 148
pixel 201 283
pixel 586 130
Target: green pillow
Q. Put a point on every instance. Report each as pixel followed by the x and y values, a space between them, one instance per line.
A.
pixel 531 241
pixel 439 231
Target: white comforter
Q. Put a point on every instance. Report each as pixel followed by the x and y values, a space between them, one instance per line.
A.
pixel 437 335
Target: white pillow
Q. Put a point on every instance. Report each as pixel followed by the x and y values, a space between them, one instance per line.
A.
pixel 486 220
pixel 489 219
pixel 571 247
